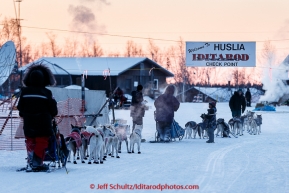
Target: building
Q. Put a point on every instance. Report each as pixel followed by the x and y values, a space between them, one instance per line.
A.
pixel 106 73
pixel 219 94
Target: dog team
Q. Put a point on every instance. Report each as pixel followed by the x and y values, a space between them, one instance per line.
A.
pixel 249 121
pixel 97 143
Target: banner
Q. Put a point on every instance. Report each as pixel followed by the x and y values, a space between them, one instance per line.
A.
pixel 221 54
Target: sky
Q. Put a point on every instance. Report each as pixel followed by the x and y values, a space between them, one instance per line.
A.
pixel 192 20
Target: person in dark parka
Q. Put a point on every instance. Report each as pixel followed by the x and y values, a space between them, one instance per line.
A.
pixel 211 121
pixel 37 107
pixel 166 104
pixel 248 97
pixel 237 103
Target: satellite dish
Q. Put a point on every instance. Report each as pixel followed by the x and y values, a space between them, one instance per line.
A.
pixel 7 60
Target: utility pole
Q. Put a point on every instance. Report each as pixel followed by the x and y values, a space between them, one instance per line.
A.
pixel 19 29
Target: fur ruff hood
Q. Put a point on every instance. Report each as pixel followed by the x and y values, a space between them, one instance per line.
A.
pixel 47 79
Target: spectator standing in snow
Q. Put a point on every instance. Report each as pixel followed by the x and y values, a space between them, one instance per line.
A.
pixel 137 109
pixel 37 107
pixel 119 98
pixel 248 97
pixel 166 104
pixel 237 103
pixel 211 118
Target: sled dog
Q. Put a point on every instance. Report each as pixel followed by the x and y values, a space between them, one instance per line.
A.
pixel 135 137
pixel 193 127
pixel 96 149
pixel 122 131
pixel 74 143
pixel 112 144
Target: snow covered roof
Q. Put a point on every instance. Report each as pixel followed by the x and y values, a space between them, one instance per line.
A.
pixel 223 94
pixel 95 65
pixel 286 61
pixel 75 87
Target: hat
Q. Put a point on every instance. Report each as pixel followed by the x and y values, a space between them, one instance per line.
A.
pixel 212 103
pixel 38 75
pixel 170 90
pixel 36 78
pixel 240 90
pixel 139 87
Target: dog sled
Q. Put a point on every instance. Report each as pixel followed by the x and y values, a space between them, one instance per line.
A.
pixel 55 154
pixel 176 132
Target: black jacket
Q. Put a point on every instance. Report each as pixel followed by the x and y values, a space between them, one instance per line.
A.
pixel 36 104
pixel 137 108
pixel 248 95
pixel 237 102
pixel 166 104
pixel 37 107
pixel 211 117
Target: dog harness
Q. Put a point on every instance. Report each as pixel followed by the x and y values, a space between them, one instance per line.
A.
pixel 121 133
pixel 77 138
pixel 138 132
pixel 87 136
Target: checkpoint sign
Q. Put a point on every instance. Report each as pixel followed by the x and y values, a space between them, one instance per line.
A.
pixel 221 54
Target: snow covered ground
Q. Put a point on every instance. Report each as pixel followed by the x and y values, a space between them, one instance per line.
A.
pixel 246 164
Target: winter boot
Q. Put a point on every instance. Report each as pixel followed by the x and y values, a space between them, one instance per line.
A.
pixel 167 136
pixel 37 164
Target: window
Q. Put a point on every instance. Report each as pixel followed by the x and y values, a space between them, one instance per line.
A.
pixel 156 84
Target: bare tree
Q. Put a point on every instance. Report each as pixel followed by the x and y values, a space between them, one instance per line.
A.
pixel 155 52
pixel 9 30
pixel 268 55
pixel 168 64
pixel 91 49
pixel 55 50
pixel 96 50
pixel 27 55
pixel 70 47
pixel 181 72
pixel 44 49
pixel 114 54
pixel 36 54
pixel 132 49
pixel 85 49
pixel 239 75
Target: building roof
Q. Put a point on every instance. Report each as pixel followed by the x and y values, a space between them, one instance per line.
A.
pixel 286 61
pixel 223 94
pixel 95 66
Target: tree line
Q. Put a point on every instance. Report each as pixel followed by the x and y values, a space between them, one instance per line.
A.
pixel 171 58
